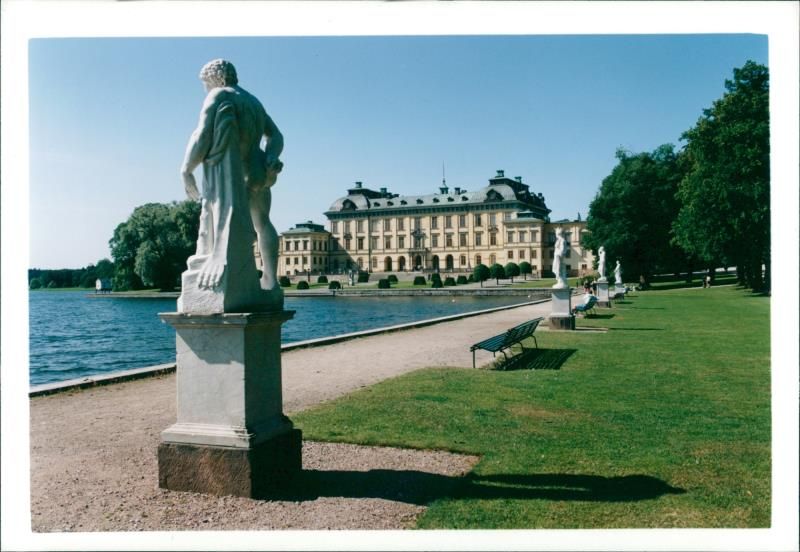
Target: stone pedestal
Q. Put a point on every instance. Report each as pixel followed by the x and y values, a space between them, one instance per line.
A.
pixel 603 299
pixel 231 436
pixel 619 288
pixel 561 317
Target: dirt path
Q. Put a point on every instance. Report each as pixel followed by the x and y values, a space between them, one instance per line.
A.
pixel 93 452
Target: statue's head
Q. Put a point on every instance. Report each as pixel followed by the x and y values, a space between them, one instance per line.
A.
pixel 559 231
pixel 218 72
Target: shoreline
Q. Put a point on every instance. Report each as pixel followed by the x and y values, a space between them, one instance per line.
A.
pixel 168 368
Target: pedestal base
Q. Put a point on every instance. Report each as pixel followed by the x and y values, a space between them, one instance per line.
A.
pixel 255 472
pixel 602 295
pixel 562 322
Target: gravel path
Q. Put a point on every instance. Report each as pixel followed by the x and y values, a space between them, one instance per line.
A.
pixel 93 452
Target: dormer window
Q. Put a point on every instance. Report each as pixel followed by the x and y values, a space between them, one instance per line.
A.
pixel 389 203
pixel 403 202
pixel 450 199
pixel 419 202
pixel 376 204
pixel 464 198
pixel 436 200
pixel 348 205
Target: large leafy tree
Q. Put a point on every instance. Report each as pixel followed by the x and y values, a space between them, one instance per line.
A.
pixel 631 214
pixel 151 247
pixel 724 216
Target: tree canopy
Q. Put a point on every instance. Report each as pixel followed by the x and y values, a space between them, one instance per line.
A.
pixel 480 273
pixel 151 247
pixel 724 196
pixel 630 215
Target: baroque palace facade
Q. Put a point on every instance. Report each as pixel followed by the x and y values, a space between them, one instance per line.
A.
pixel 451 231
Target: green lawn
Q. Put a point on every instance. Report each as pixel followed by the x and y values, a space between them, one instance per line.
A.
pixel 663 421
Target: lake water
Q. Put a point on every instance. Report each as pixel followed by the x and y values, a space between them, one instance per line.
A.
pixel 73 336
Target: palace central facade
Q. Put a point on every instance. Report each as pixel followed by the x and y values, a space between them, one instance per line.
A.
pixel 452 231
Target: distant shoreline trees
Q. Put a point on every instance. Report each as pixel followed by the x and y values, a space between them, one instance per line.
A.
pixel 704 206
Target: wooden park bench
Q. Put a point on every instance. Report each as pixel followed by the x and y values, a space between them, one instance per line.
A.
pixel 507 339
pixel 587 307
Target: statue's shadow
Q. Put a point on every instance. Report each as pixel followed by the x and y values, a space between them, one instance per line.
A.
pixel 420 488
pixel 535 359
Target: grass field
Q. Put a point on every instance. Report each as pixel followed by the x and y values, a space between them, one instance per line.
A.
pixel 662 421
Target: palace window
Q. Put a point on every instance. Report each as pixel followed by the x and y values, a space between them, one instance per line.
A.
pixel 523 236
pixel 534 268
pixel 360 262
pixel 478 239
pixel 448 221
pixel 510 237
pixel 506 216
pixel 521 254
pixel 288 245
pixel 463 260
pixel 435 240
pixel 305 260
pixel 387 225
pixel 347 227
pixel 462 221
pixel 477 220
pixel 417 223
pixel 401 241
pixel 335 227
pixel 305 245
pixel 510 254
pixel 359 226
pixel 434 223
pixel 534 254
pixel 401 224
pixel 296 260
pixel 373 242
pixel 492 219
pixel 462 239
pixel 387 242
pixel 448 240
pixel 360 243
pixel 493 238
pixel 374 263
pixel 297 245
pixel 534 235
pixel 373 226
pixel 477 260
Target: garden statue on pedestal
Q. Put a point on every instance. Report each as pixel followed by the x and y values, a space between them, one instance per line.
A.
pixel 601 264
pixel 618 274
pixel 558 260
pixel 236 198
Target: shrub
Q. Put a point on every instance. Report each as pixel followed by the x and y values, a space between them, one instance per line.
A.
pixel 335 285
pixel 471 279
pixel 525 268
pixel 461 280
pixel 36 283
pixel 363 277
pixel 392 278
pixel 497 271
pixel 436 280
pixel 383 283
pixel 480 273
pixel 302 284
pixel 322 279
pixel 512 269
pixel 419 280
pixel 284 281
pixel 449 281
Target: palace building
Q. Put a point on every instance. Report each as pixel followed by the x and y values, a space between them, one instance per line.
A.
pixel 450 231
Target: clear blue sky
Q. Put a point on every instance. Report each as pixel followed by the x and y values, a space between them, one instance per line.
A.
pixel 110 117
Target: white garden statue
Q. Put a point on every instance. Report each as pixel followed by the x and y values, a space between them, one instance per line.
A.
pixel 235 202
pixel 558 260
pixel 601 264
pixel 618 274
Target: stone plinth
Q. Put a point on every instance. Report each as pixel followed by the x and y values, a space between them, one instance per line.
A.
pixel 230 434
pixel 619 288
pixel 602 294
pixel 561 317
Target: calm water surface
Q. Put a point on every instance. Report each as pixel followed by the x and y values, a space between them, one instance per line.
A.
pixel 72 335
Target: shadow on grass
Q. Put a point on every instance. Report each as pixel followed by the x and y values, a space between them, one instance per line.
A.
pixel 599 316
pixel 535 359
pixel 636 329
pixel 421 488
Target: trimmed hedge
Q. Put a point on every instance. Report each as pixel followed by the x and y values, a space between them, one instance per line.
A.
pixel 284 281
pixel 436 280
pixel 461 280
pixel 335 285
pixel 392 278
pixel 383 283
pixel 449 281
pixel 419 280
pixel 302 284
pixel 322 279
pixel 363 277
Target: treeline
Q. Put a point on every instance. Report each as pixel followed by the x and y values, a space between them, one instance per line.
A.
pixel 699 208
pixel 71 277
pixel 149 250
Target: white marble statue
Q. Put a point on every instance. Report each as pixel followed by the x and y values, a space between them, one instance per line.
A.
pixel 601 264
pixel 618 274
pixel 236 198
pixel 558 260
